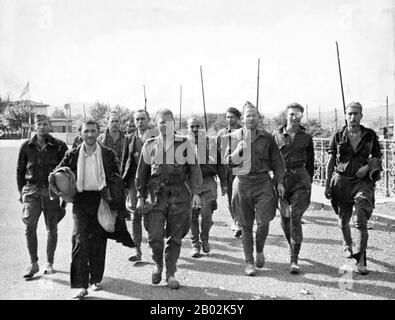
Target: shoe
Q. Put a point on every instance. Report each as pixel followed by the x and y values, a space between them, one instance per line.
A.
pixel 80 295
pixel 32 270
pixel 49 269
pixel 237 233
pixel 205 246
pixel 348 252
pixel 173 283
pixel 156 275
pixel 361 264
pixel 135 257
pixel 260 260
pixel 96 286
pixel 250 270
pixel 195 252
pixel 294 268
pixel 362 269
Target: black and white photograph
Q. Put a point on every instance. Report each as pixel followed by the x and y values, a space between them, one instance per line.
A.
pixel 198 155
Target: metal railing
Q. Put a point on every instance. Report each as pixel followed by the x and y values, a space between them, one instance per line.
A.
pixel 385 186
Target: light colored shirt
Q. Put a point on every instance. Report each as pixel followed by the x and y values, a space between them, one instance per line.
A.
pixel 91 172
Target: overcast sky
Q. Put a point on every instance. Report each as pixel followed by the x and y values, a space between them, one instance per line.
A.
pixel 83 51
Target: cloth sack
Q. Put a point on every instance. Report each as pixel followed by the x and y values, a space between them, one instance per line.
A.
pixel 106 217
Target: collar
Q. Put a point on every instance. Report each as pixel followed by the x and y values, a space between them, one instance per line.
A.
pixel 343 132
pixel 121 133
pixel 93 153
pixel 283 129
pixel 50 140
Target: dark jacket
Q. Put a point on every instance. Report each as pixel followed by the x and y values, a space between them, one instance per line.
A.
pixel 348 161
pixel 111 170
pixel 35 165
pixel 106 140
pixel 131 155
pixel 110 161
pixel 298 152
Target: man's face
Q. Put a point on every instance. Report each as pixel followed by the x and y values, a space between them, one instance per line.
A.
pixel 141 120
pixel 294 116
pixel 89 134
pixel 42 127
pixel 354 116
pixel 251 118
pixel 130 126
pixel 114 124
pixel 231 120
pixel 165 123
pixel 193 127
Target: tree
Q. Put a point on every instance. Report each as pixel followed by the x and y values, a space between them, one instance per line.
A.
pixel 281 119
pixel 99 112
pixel 58 114
pixel 16 114
pixel 315 129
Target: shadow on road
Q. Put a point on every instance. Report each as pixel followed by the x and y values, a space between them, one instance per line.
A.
pixel 135 290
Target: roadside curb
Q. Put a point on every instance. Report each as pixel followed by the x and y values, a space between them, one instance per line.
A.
pixel 384 218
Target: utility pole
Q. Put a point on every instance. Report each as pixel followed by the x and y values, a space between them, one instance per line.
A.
pixel 319 114
pixel 386 117
pixel 307 113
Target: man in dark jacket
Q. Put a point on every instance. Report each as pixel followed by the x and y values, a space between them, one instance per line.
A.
pixel 130 160
pixel 297 148
pixel 209 159
pixel 233 116
pixel 93 165
pixel 37 158
pixel 355 157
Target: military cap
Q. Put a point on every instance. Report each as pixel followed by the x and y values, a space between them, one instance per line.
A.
pixel 40 117
pixel 355 105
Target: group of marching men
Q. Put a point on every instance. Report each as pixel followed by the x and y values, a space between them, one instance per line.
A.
pixel 169 185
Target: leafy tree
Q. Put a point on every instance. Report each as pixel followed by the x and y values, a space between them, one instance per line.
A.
pixel 58 114
pixel 99 112
pixel 16 114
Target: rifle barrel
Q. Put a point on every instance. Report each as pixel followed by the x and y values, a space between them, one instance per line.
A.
pixel 180 105
pixel 341 80
pixel 145 99
pixel 204 102
pixel 257 87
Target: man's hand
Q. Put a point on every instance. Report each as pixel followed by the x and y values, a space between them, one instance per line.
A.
pixel 327 191
pixel 224 190
pixel 140 205
pixel 280 190
pixel 362 172
pixel 196 202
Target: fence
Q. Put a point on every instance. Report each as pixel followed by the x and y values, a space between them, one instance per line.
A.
pixel 385 186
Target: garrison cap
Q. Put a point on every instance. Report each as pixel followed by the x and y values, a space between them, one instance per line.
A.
pixel 355 105
pixel 40 117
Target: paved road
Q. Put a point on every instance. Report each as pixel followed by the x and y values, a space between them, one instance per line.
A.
pixel 218 275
